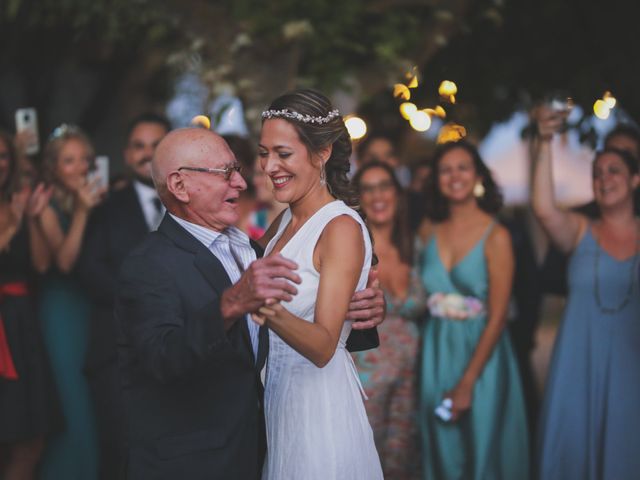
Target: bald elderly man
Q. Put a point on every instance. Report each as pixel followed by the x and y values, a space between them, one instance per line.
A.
pixel 188 353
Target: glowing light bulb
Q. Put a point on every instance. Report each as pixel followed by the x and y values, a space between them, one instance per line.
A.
pixel 447 88
pixel 451 132
pixel 601 109
pixel 609 99
pixel 201 121
pixel 420 121
pixel 356 127
pixel 413 83
pixel 401 91
pixel 407 109
pixel 437 112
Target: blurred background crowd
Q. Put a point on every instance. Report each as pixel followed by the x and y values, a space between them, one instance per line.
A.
pixel 501 234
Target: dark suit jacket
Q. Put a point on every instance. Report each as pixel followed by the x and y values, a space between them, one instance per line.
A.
pixel 115 228
pixel 191 390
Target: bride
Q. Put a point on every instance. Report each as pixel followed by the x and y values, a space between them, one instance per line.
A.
pixel 316 423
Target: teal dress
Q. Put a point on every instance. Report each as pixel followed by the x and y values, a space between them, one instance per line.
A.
pixel 590 422
pixel 72 452
pixel 490 441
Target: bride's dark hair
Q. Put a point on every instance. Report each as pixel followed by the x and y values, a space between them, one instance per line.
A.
pixel 316 136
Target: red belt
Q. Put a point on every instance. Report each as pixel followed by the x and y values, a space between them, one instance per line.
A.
pixel 7 368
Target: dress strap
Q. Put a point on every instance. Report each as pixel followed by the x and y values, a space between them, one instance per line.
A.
pixel 488 230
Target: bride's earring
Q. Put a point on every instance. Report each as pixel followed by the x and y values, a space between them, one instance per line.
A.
pixel 323 176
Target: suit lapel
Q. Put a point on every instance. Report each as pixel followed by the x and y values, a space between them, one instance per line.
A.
pixel 207 263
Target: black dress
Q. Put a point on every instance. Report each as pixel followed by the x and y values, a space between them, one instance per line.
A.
pixel 28 405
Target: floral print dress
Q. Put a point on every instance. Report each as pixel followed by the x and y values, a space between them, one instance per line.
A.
pixel 389 377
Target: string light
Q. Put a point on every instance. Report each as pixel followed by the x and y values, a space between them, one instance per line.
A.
pixel 420 121
pixel 609 99
pixel 451 132
pixel 401 91
pixel 201 121
pixel 356 127
pixel 407 109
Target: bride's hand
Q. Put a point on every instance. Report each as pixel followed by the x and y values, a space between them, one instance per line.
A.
pixel 258 319
pixel 261 319
pixel 271 310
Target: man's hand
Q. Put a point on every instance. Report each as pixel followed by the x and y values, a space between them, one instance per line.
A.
pixel 368 308
pixel 266 279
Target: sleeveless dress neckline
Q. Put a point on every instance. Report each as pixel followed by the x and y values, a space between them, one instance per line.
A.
pixel 602 249
pixel 284 224
pixel 467 254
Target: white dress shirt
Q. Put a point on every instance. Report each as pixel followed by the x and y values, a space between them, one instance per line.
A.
pixel 147 197
pixel 233 248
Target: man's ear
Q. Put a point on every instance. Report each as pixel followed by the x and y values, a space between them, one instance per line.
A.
pixel 177 187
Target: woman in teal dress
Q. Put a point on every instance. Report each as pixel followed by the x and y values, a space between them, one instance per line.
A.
pixel 64 309
pixel 590 420
pixel 388 373
pixel 467 269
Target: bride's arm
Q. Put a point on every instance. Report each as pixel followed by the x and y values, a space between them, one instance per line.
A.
pixel 340 251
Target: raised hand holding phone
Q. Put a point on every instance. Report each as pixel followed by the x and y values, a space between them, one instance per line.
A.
pixel 27 131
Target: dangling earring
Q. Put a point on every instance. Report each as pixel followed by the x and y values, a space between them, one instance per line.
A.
pixel 323 176
pixel 478 189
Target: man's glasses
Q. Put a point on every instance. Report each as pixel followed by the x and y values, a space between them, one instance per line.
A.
pixel 226 172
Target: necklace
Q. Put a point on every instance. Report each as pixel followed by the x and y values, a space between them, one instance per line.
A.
pixel 596 280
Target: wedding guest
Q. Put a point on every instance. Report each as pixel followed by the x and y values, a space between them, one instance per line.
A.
pixel 64 308
pixel 114 229
pixel 554 271
pixel 472 411
pixel 27 393
pixel 589 420
pixel 381 147
pixel 388 373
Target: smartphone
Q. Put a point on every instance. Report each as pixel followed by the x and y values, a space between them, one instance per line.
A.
pixel 100 172
pixel 443 411
pixel 27 121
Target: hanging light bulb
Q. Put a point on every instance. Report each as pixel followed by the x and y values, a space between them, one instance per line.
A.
pixel 609 99
pixel 601 109
pixel 447 88
pixel 420 121
pixel 407 109
pixel 356 127
pixel 201 121
pixel 401 91
pixel 451 132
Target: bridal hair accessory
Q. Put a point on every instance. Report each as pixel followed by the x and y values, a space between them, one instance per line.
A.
pixel 292 115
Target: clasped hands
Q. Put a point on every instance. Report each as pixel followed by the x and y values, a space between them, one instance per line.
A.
pixel 271 280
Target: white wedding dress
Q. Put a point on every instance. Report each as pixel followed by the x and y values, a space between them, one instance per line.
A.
pixel 317 427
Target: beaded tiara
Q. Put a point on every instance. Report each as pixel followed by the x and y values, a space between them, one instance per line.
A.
pixel 290 114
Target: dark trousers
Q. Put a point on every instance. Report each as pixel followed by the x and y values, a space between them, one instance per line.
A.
pixel 107 400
